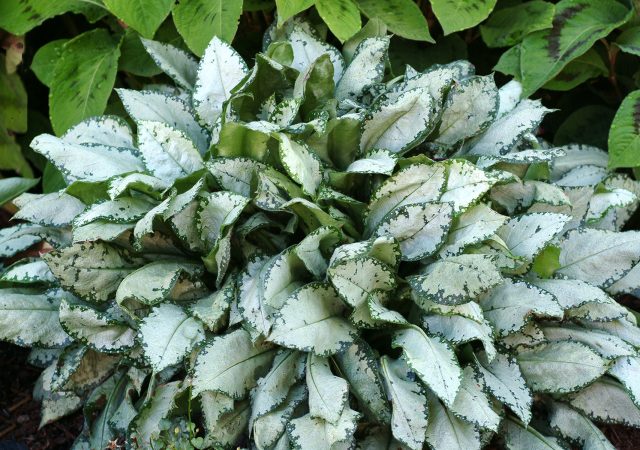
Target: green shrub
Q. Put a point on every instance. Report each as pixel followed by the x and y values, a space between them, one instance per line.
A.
pixel 313 253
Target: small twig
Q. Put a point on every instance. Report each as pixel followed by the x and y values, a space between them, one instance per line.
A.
pixel 7 430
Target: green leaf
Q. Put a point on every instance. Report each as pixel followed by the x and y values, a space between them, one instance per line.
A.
pixel 419 228
pixel 289 8
pixel 456 15
pixel 13 96
pixel 342 17
pixel 576 26
pixel 45 59
pixel 403 17
pixel 31 319
pixel 229 364
pixel 624 135
pixel 18 16
pixel 583 68
pixel 200 20
pixel 143 17
pixel 10 188
pixel 507 26
pixel 432 360
pixel 310 320
pixel 398 124
pixel 410 408
pixel 560 367
pixel 456 280
pixel 167 335
pixel 87 67
pixel 91 270
pixel 629 41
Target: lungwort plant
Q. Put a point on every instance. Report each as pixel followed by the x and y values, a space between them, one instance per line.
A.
pixel 311 254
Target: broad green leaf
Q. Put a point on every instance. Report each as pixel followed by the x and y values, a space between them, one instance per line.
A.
pixel 445 430
pixel 576 26
pixel 30 319
pixel 470 108
pixel 220 70
pixel 502 377
pixel 45 59
pixel 366 68
pixel 272 389
pixel 398 124
pixel 472 227
pixel 154 282
pixel 199 20
pixel 423 353
pixel 607 401
pixel 373 28
pixel 143 17
pixel 328 393
pixel 403 18
pixel 289 8
pixel 519 436
pixel 167 152
pixel 308 432
pixel 572 425
pixel 87 67
pixel 598 257
pixel 19 16
pixel 302 165
pixel 511 305
pixel 410 412
pixel 456 279
pixel 509 25
pixel 560 367
pixel 342 17
pixel 229 364
pixel 583 68
pixel 419 228
pixel 157 106
pixel 102 331
pixel 624 138
pixel 629 41
pixel 413 184
pixel 167 335
pixel 456 15
pixel 11 188
pixel 359 367
pixel 310 320
pixel 355 279
pixel 71 159
pixel 91 271
pixel 173 61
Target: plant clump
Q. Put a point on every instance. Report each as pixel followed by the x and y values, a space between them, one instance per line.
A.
pixel 317 253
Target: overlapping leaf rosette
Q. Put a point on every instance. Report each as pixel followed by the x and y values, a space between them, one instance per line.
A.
pixel 316 253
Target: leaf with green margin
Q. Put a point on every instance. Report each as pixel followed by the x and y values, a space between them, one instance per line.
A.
pixel 403 17
pixel 216 212
pixel 101 331
pixel 120 210
pixel 528 234
pixel 146 424
pixel 173 61
pixel 576 26
pixel 328 394
pixel 519 436
pixel 302 165
pixel 230 363
pixel 472 404
pixel 307 48
pixel 308 432
pixel 456 279
pixel 572 425
pixel 432 359
pixel 27 271
pixel 167 335
pixel 45 59
pixel 471 227
pixel 342 17
pixel 507 26
pixel 419 228
pixel 456 15
pixel 366 68
pixel 410 412
pixel 400 123
pixel 91 271
pixel 355 279
pixel 198 21
pixel 87 67
pixel 624 135
pixel 607 401
pixel 142 16
pixel 268 429
pixel 310 320
pixel 445 430
pixel 606 345
pixel 31 319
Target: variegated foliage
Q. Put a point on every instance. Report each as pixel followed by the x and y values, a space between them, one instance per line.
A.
pixel 275 255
